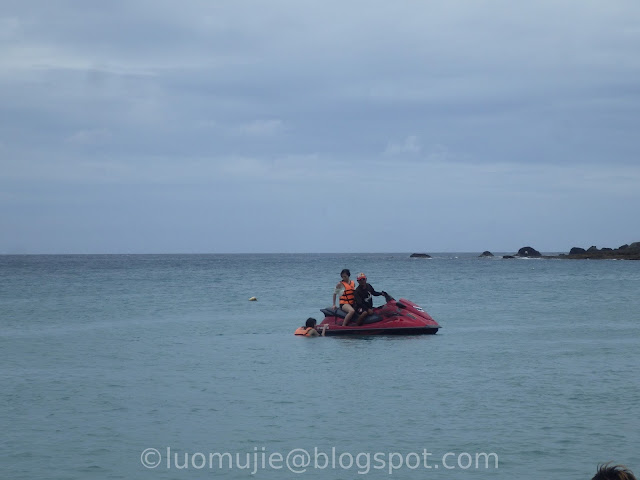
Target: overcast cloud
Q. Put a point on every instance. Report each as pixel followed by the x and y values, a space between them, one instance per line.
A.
pixel 318 126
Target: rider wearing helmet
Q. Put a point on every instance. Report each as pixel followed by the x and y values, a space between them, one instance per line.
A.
pixel 364 302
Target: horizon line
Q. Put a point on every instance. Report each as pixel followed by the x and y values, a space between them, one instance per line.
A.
pixel 271 253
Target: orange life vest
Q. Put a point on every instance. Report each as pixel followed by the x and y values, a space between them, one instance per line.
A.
pixel 349 293
pixel 304 331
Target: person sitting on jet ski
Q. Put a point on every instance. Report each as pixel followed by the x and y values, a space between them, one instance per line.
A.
pixel 309 330
pixel 364 302
pixel 347 300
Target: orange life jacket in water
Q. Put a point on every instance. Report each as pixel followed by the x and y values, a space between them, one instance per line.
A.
pixel 304 331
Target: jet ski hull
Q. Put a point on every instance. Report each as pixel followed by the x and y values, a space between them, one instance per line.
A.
pixel 401 317
pixel 381 331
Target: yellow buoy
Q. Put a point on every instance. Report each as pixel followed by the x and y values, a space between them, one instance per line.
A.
pixel 253 299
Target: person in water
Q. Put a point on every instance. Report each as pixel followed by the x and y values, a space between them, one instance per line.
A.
pixel 347 299
pixel 613 472
pixel 309 329
pixel 364 302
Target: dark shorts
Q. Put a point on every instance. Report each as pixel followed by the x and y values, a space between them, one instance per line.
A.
pixel 363 309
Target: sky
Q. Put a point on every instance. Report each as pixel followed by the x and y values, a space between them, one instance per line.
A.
pixel 289 126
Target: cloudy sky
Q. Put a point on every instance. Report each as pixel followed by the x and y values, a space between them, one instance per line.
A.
pixel 151 126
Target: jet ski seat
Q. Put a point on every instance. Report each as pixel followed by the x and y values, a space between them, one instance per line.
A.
pixel 329 312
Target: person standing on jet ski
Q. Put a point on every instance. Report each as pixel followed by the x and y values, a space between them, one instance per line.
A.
pixel 347 299
pixel 364 302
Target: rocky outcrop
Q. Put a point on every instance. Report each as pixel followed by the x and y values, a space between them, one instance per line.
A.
pixel 420 255
pixel 624 252
pixel 528 252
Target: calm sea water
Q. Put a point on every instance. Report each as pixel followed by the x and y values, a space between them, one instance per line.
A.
pixel 103 357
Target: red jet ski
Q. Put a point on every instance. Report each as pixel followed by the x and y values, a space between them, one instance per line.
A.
pixel 401 317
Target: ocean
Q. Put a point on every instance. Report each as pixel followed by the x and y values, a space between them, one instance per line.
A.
pixel 158 367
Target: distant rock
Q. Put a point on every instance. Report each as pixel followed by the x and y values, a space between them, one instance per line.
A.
pixel 420 255
pixel 528 252
pixel 508 256
pixel 486 253
pixel 624 252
